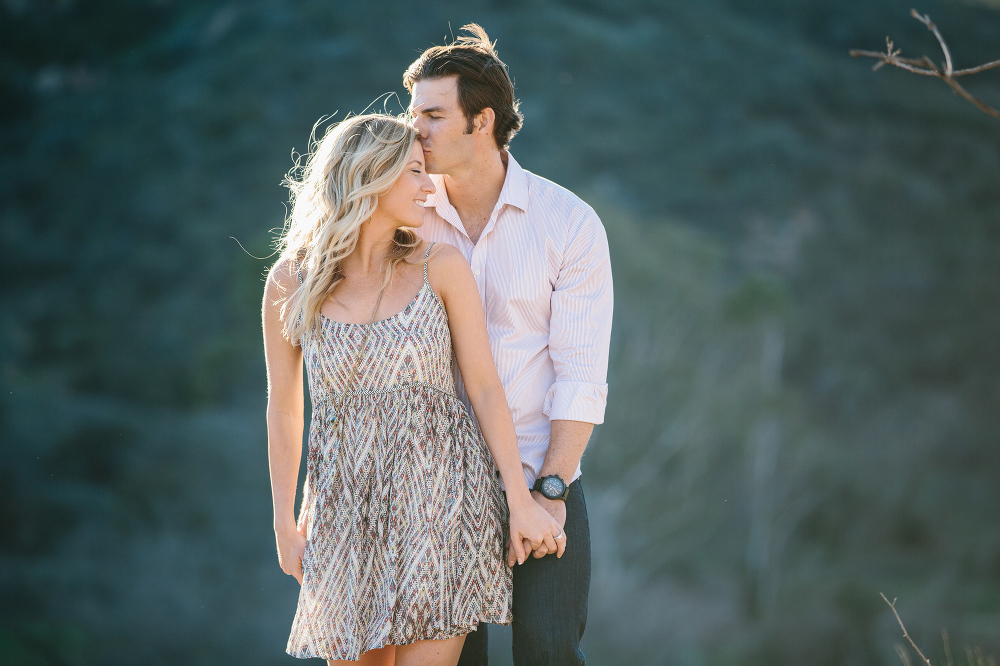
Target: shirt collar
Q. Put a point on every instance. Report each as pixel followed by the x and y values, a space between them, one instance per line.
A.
pixel 515 186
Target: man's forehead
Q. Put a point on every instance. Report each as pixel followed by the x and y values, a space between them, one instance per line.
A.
pixel 442 93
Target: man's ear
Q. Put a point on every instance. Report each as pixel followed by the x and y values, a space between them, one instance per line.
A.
pixel 483 122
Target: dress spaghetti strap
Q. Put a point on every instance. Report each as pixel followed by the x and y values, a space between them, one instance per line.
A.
pixel 426 255
pixel 298 271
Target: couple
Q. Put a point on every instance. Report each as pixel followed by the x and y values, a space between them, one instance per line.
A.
pixel 419 525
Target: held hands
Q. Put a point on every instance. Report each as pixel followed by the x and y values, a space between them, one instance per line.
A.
pixel 556 509
pixel 535 529
pixel 291 546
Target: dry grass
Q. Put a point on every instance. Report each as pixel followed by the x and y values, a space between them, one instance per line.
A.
pixel 975 656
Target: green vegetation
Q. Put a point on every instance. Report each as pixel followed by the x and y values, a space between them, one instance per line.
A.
pixel 804 364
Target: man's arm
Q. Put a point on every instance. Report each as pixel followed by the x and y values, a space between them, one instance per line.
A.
pixel 566 446
pixel 579 341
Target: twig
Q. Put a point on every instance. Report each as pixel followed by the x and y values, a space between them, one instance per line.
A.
pixel 890 58
pixel 892 605
pixel 926 20
pixel 927 67
pixel 976 70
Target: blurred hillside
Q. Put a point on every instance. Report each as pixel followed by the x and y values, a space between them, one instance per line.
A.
pixel 804 388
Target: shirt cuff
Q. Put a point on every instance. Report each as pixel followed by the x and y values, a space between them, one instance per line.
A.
pixel 576 401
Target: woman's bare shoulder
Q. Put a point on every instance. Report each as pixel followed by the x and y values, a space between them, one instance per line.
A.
pixel 444 255
pixel 448 271
pixel 283 276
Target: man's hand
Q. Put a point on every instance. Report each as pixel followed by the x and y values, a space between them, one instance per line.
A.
pixel 556 509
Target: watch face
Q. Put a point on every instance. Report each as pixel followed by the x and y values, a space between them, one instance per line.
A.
pixel 552 487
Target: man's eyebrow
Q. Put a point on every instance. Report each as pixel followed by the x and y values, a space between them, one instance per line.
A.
pixel 430 109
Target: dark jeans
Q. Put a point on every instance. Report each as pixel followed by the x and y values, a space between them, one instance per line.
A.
pixel 550 600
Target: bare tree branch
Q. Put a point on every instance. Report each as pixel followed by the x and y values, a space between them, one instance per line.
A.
pixel 927 67
pixel 890 58
pixel 976 70
pixel 926 20
pixel 892 605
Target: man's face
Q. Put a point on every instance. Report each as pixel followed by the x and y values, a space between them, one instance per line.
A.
pixel 441 124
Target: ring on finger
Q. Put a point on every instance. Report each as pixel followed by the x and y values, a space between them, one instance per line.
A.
pixel 560 535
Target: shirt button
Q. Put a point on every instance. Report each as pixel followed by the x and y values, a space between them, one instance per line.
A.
pixel 477 271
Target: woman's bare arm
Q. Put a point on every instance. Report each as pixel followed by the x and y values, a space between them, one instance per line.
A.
pixel 451 278
pixel 285 417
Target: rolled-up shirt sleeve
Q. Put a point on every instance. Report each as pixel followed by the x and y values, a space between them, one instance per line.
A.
pixel 580 326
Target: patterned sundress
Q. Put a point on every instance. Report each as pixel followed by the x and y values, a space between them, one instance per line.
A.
pixel 405 519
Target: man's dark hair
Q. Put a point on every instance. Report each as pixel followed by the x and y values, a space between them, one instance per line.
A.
pixel 483 80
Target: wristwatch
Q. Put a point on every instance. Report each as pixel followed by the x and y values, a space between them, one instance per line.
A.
pixel 552 487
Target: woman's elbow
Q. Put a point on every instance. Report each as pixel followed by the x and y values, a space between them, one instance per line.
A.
pixel 284 414
pixel 482 395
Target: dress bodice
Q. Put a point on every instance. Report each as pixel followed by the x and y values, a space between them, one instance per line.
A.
pixel 410 348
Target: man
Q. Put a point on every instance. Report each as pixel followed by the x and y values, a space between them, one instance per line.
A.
pixel 540 258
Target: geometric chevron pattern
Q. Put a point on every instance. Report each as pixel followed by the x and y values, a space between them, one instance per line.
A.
pixel 405 519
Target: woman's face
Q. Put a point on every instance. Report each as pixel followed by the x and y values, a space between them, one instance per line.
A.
pixel 404 202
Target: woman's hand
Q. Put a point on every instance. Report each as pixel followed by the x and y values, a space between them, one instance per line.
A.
pixel 556 509
pixel 291 546
pixel 532 527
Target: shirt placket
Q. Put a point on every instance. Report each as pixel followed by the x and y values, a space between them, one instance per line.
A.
pixel 480 253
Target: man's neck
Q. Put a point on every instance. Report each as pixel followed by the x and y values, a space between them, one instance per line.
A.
pixel 474 192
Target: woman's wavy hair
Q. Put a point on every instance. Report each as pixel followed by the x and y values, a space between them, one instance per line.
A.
pixel 345 173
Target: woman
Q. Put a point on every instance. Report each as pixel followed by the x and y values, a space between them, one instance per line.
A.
pixel 399 544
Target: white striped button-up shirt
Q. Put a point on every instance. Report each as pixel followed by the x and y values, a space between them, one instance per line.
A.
pixel 544 275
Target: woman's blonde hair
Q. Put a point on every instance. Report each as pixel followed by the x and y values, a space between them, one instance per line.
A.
pixel 346 172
